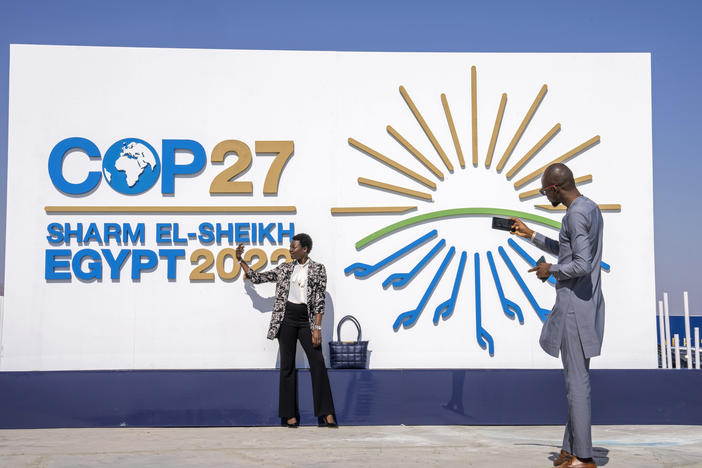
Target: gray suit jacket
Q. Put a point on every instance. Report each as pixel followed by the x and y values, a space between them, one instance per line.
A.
pixel 579 250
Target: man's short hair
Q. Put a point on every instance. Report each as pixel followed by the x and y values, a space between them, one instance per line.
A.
pixel 560 175
pixel 305 241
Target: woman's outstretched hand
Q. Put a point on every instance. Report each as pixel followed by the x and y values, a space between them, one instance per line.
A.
pixel 239 252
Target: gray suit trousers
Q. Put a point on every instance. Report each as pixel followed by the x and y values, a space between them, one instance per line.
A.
pixel 576 370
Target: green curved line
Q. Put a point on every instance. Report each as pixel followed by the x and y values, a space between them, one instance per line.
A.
pixel 454 212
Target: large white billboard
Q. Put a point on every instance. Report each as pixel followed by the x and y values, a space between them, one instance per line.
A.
pixel 134 172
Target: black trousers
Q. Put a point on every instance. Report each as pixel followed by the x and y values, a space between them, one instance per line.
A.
pixel 296 326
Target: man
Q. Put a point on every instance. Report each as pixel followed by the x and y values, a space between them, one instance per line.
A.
pixel 575 326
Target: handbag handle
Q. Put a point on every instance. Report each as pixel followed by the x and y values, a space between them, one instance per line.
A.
pixel 355 322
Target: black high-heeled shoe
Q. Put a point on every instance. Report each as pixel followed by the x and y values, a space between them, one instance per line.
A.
pixel 284 422
pixel 322 422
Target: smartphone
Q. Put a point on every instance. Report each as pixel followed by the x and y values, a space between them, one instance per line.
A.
pixel 502 224
pixel 542 259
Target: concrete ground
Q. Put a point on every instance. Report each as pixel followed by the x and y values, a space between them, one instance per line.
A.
pixel 367 447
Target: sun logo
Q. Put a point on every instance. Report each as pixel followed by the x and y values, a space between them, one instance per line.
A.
pixel 431 239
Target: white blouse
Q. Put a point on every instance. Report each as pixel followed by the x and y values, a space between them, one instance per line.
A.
pixel 298 283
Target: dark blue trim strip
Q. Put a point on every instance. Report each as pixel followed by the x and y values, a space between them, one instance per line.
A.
pixel 362 397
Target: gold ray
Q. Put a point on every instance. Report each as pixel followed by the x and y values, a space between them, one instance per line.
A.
pixel 415 152
pixel 474 112
pixel 496 130
pixel 522 127
pixel 535 192
pixel 394 188
pixel 537 147
pixel 397 166
pixel 574 152
pixel 372 209
pixel 452 127
pixel 603 207
pixel 426 129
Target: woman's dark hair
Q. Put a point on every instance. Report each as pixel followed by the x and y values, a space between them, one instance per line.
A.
pixel 304 240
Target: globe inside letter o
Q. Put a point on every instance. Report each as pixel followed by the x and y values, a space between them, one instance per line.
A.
pixel 131 166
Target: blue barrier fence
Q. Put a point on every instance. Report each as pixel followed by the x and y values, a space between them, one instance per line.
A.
pixel 361 397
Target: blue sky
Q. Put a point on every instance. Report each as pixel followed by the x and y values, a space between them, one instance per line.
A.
pixel 669 30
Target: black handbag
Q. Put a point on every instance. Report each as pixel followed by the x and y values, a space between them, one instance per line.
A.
pixel 348 354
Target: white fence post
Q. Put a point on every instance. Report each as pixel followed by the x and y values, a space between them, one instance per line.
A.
pixel 667 330
pixel 686 309
pixel 697 348
pixel 676 343
pixel 665 364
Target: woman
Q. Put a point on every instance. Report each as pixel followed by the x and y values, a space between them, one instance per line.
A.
pixel 297 315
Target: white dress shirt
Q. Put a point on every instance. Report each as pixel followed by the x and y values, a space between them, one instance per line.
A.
pixel 298 283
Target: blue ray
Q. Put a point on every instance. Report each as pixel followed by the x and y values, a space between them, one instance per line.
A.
pixel 542 313
pixel 528 258
pixel 361 270
pixel 445 309
pixel 605 266
pixel 407 319
pixel 399 280
pixel 480 333
pixel 509 307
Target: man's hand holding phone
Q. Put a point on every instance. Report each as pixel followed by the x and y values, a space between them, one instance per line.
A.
pixel 542 269
pixel 521 229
